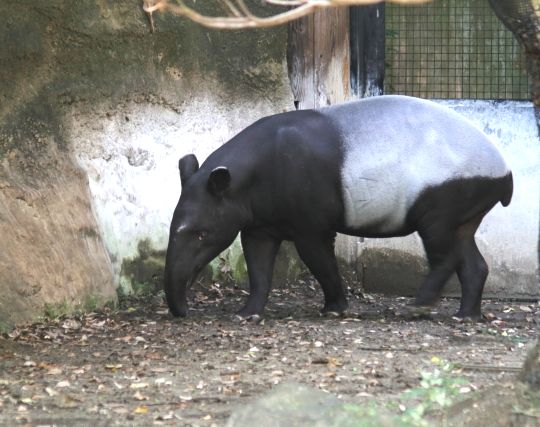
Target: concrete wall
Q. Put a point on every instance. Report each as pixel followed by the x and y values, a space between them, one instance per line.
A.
pixel 131 159
pixel 132 168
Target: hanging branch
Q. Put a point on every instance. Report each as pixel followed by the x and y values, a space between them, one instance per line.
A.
pixel 239 16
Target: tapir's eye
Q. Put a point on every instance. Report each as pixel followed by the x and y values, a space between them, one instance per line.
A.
pixel 201 234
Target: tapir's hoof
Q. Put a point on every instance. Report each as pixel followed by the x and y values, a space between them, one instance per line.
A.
pixel 336 309
pixel 334 314
pixel 252 318
pixel 468 318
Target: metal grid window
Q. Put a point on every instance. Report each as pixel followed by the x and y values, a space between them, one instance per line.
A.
pixel 452 49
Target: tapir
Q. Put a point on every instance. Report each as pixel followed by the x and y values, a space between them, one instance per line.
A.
pixel 384 166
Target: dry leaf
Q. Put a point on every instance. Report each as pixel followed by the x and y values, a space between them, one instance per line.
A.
pixel 136 386
pixel 141 409
pixel 333 361
pixel 63 384
pixel 51 392
pixel 139 396
pixel 121 410
pixel 113 366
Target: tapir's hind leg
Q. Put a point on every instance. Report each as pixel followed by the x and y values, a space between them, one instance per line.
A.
pixel 452 249
pixel 442 254
pixel 317 252
pixel 472 272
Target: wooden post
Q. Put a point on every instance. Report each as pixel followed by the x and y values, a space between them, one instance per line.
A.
pixel 318 58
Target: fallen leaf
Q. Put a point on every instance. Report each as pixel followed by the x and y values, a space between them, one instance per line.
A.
pixel 67 401
pixel 334 361
pixel 51 392
pixel 490 316
pixel 139 396
pixel 165 417
pixel 136 386
pixel 162 381
pixel 141 410
pixel 113 366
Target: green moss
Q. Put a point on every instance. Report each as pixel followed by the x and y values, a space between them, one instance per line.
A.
pixel 143 274
pixel 53 311
pixel 230 266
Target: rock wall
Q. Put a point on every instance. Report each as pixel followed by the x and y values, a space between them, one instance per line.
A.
pixel 95 111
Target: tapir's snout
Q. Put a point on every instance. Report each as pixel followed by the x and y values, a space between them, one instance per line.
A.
pixel 175 286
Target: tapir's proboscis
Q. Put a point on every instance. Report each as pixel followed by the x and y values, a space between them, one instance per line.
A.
pixel 380 167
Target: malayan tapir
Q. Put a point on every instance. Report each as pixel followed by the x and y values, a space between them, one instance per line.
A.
pixel 379 167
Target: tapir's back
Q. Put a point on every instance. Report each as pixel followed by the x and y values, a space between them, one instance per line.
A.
pixel 394 147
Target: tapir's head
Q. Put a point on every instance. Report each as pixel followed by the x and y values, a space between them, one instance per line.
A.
pixel 205 222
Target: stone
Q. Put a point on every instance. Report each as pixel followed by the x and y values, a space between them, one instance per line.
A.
pixel 296 405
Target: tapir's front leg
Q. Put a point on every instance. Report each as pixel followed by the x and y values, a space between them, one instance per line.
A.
pixel 317 252
pixel 260 251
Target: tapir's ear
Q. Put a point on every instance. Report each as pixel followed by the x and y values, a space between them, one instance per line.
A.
pixel 188 165
pixel 219 180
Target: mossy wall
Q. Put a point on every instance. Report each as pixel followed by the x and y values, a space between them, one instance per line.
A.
pixel 95 111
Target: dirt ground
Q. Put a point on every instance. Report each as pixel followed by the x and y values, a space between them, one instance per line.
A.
pixel 136 365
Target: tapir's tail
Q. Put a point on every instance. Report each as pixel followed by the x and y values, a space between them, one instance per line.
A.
pixel 508 184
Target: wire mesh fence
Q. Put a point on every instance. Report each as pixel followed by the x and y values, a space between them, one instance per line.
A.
pixel 455 49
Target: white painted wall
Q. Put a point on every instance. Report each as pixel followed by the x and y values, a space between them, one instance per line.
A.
pixel 131 160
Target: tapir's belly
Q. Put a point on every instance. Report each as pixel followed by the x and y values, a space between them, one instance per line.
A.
pixel 397 152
